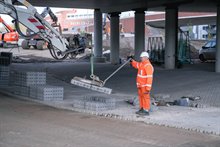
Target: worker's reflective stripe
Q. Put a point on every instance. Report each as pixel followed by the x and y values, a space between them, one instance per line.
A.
pixel 145 85
pixel 147 76
pixel 137 65
pixel 141 72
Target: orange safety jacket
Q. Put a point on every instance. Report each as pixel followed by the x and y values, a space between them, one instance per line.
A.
pixel 145 74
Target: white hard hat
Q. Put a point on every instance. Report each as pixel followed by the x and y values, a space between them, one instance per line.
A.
pixel 144 54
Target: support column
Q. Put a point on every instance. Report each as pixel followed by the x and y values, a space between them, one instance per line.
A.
pixel 114 37
pixel 139 33
pixel 98 36
pixel 217 60
pixel 171 33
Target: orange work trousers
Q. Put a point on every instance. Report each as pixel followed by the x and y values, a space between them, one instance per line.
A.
pixel 144 98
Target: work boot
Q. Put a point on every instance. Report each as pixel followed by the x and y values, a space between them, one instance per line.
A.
pixel 144 112
pixel 139 111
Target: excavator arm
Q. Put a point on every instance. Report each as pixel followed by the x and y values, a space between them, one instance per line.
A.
pixel 47 11
pixel 9 28
pixel 29 17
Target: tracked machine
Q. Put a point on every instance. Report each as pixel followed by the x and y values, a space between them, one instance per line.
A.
pixel 59 46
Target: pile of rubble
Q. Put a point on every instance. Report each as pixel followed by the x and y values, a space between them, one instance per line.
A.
pixel 164 100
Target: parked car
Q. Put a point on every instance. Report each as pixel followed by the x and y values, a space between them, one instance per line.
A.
pixel 208 51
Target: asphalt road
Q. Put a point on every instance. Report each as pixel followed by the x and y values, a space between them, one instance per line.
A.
pixel 28 124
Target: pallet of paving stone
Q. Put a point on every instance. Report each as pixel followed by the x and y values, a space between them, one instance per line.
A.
pixel 110 102
pixel 4 75
pixel 4 61
pixel 79 103
pixel 96 106
pixel 20 90
pixel 95 103
pixel 4 81
pixel 90 105
pixel 47 92
pixel 28 78
pixel 6 58
pixel 4 68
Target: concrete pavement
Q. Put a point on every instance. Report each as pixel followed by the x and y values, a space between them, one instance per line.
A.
pixel 174 82
pixel 29 124
pixel 195 80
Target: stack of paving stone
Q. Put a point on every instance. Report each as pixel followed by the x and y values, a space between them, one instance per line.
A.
pixel 28 78
pixel 4 75
pixel 79 103
pixel 47 93
pixel 95 103
pixel 22 81
pixel 5 58
pixel 33 84
pixel 19 90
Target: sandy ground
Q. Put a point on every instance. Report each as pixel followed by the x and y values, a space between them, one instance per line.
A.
pixel 28 124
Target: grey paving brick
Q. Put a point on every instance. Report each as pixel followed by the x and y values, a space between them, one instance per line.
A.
pixel 47 92
pixel 95 103
pixel 28 78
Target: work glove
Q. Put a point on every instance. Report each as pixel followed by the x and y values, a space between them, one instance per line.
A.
pixel 130 57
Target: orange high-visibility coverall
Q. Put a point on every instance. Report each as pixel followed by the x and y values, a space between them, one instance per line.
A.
pixel 144 82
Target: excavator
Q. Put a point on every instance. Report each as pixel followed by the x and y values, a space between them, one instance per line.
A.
pixel 59 46
pixel 37 42
pixel 8 36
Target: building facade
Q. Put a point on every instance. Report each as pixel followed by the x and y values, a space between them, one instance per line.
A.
pixel 81 20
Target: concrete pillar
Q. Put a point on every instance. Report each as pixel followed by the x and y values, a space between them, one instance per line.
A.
pixel 114 38
pixel 217 62
pixel 98 36
pixel 171 33
pixel 139 40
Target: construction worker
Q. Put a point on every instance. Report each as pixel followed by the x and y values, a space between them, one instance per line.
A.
pixel 144 82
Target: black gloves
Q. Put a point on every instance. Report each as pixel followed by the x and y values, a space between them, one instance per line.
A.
pixel 130 57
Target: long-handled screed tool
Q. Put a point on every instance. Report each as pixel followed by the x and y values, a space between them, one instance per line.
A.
pixel 95 83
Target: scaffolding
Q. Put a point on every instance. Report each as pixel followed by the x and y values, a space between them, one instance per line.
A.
pixel 183 50
pixel 155 48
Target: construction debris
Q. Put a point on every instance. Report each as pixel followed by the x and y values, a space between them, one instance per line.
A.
pixel 162 100
pixel 161 96
pixel 188 101
pixel 135 102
